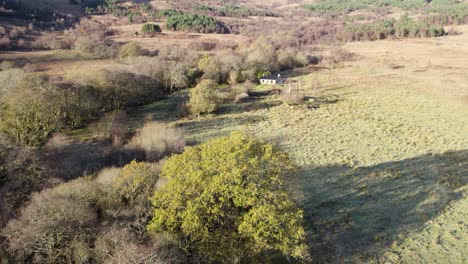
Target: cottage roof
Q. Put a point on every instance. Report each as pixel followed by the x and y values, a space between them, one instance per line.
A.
pixel 272 77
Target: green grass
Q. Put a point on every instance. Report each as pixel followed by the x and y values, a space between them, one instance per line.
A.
pixel 383 166
pixel 379 165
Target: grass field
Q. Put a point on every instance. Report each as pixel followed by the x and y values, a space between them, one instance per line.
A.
pixel 384 167
pixel 383 158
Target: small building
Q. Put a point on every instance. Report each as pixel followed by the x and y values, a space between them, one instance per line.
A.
pixel 272 79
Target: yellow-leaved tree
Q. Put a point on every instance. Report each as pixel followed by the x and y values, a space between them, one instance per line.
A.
pixel 226 200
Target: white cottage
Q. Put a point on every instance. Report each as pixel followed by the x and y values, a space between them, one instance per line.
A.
pixel 272 79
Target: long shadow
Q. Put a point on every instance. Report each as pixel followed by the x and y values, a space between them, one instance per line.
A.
pixel 360 212
pixel 76 159
pixel 214 127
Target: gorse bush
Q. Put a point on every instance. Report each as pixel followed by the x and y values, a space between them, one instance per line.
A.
pixel 130 50
pixel 135 180
pixel 204 98
pixel 226 201
pixel 151 29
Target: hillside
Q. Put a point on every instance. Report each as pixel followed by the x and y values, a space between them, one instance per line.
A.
pixel 142 132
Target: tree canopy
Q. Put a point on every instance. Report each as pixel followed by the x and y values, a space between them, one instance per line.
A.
pixel 227 200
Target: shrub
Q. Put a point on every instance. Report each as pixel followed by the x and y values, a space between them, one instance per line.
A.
pixel 151 29
pixel 99 49
pixel 158 140
pixel 120 246
pixel 130 50
pixel 107 176
pixel 10 78
pixel 47 227
pixel 291 97
pixel 203 45
pixel 86 190
pixel 337 55
pixel 136 179
pixel 6 65
pixel 25 173
pixel 113 125
pixel 204 98
pixel 228 190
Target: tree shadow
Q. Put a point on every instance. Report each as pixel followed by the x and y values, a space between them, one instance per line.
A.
pixel 76 159
pixel 253 103
pixel 216 126
pixel 359 212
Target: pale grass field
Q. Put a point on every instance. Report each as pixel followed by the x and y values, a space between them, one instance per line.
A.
pixel 383 152
pixel 384 169
pixel 437 65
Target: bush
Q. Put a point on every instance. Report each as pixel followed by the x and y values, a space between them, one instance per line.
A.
pixel 107 176
pixel 203 45
pixel 136 180
pixel 24 173
pixel 151 29
pixel 204 98
pixel 337 55
pixel 158 140
pixel 120 246
pixel 113 125
pixel 228 190
pixel 7 65
pixel 291 97
pixel 99 49
pixel 47 227
pixel 130 50
pixel 9 79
